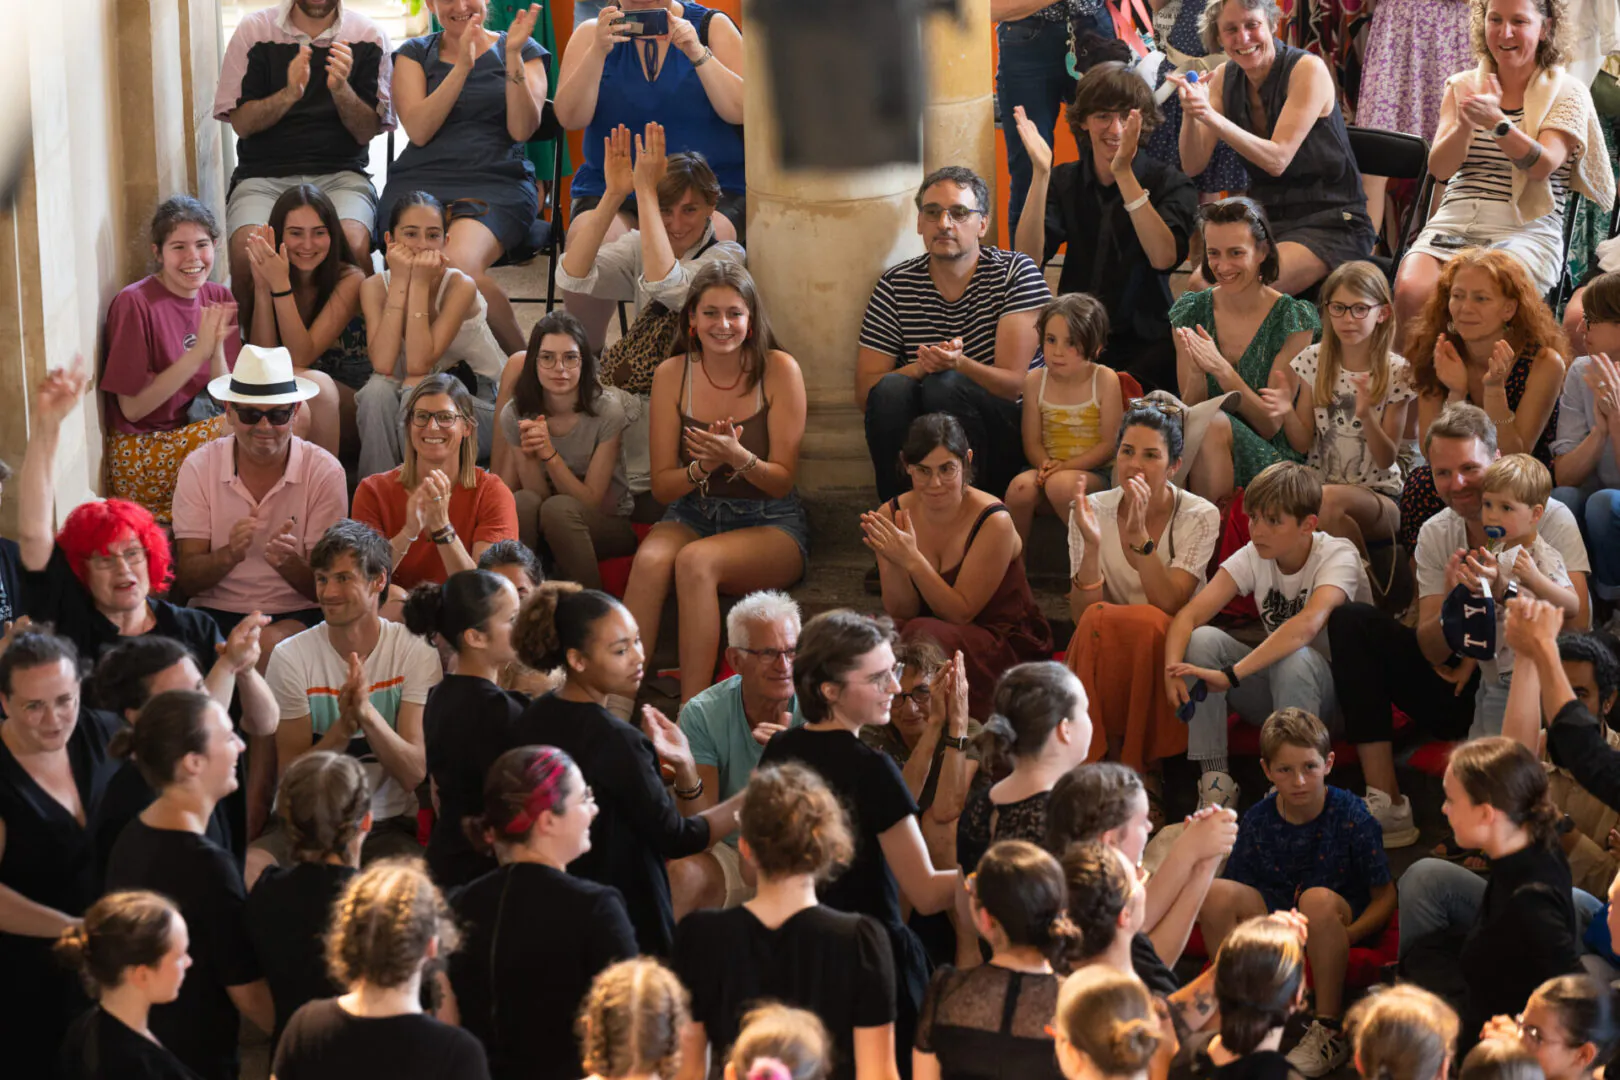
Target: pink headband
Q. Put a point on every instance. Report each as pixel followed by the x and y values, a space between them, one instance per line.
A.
pixel 546 773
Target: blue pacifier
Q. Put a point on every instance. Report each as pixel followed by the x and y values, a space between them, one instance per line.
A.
pixel 1495 532
pixel 1192 76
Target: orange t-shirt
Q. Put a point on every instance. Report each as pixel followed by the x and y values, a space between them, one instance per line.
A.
pixel 481 514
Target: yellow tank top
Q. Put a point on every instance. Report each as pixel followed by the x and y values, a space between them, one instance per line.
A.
pixel 1070 430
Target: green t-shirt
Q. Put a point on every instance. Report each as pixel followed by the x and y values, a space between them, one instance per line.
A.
pixel 717 729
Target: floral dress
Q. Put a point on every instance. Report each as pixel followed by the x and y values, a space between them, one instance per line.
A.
pixel 1414 46
pixel 1250 452
pixel 1419 499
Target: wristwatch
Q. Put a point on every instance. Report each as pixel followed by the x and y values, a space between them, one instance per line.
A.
pixel 1146 548
pixel 1502 128
pixel 955 742
pixel 446 535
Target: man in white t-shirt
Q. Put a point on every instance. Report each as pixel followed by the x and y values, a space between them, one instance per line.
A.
pixel 355 684
pixel 1297 577
pixel 1379 662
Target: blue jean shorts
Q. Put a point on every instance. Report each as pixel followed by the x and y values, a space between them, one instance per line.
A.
pixel 709 517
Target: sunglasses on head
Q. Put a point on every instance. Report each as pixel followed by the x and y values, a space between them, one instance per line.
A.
pixel 1195 697
pixel 279 416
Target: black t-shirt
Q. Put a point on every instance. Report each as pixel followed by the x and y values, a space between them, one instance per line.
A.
pixel 524 920
pixel 1105 257
pixel 128 794
pixel 287 914
pixel 200 1026
pixel 99 1046
pixel 55 595
pixel 322 1042
pixel 1523 935
pixel 1150 968
pixel 467 723
pixel 837 965
pixel 51 859
pixel 1260 1065
pixel 875 796
pixel 638 826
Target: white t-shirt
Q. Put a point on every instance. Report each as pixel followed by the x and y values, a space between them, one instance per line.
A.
pixel 1549 562
pixel 1187 543
pixel 1447 532
pixel 1280 596
pixel 306 674
pixel 1340 452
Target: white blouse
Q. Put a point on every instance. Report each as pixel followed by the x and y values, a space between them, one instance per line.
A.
pixel 1187 543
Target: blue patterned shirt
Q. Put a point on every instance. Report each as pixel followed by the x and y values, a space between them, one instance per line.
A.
pixel 1341 849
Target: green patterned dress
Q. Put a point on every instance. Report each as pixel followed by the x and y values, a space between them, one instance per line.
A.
pixel 1250 452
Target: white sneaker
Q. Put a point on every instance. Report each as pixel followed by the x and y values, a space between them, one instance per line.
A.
pixel 1320 1051
pixel 1394 818
pixel 1216 788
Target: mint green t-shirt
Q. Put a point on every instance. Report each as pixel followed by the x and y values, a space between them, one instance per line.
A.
pixel 717 729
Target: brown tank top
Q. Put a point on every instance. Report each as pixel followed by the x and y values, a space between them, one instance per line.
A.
pixel 755 438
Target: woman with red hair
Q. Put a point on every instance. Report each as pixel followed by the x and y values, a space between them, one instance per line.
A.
pixel 93 581
pixel 1484 337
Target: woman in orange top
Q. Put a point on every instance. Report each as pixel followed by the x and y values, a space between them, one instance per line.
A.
pixel 439 511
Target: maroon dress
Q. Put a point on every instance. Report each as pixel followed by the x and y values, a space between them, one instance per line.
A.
pixel 1008 630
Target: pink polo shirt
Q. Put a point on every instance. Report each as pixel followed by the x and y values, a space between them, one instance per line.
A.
pixel 209 498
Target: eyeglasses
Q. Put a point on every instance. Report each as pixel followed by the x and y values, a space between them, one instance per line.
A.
pixel 771 656
pixel 1195 697
pixel 1169 408
pixel 131 557
pixel 443 419
pixel 880 679
pixel 1355 311
pixel 957 214
pixel 569 360
pixel 924 475
pixel 919 695
pixel 280 416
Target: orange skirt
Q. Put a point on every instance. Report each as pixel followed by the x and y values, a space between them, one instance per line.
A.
pixel 1118 653
pixel 143 468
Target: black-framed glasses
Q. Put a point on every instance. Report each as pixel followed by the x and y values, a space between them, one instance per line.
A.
pixel 957 214
pixel 1195 697
pixel 920 695
pixel 771 656
pixel 567 361
pixel 448 418
pixel 1355 311
pixel 280 416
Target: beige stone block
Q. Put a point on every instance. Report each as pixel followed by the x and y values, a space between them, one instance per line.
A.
pixel 957 51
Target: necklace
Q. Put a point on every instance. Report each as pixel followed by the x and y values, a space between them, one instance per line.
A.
pixel 714 383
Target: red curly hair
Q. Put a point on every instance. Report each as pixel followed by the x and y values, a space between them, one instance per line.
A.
pixel 1532 322
pixel 93 527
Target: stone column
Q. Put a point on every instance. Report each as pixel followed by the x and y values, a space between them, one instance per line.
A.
pixel 959 119
pixel 817 241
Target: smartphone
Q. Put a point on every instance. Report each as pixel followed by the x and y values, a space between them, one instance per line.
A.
pixel 653 22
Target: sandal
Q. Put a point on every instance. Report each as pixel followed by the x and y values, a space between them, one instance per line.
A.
pixel 1468 858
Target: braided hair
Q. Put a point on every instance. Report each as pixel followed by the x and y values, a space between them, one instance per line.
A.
pixel 631 1022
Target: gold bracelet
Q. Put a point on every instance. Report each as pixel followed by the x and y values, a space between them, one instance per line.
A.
pixel 1087 586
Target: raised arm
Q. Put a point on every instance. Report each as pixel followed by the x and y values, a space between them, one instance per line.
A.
pixel 525 79
pixel 1310 96
pixel 1031 238
pixel 581 74
pixel 59 394
pixel 1200 111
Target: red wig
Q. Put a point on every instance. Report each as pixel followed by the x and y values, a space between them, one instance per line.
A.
pixel 93 527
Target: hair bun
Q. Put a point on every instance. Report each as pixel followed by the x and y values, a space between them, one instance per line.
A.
pixel 769 1068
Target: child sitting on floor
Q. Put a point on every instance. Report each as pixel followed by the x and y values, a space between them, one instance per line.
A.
pixel 1316 848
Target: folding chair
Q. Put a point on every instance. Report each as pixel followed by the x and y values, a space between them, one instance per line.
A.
pixel 1398 156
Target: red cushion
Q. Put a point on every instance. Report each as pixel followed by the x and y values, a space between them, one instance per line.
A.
pixel 1431 758
pixel 1234 534
pixel 616 572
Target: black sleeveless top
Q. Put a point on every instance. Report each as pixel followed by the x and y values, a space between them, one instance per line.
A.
pixel 1321 185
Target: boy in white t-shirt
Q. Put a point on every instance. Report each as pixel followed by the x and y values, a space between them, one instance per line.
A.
pixel 356 684
pixel 1297 577
pixel 1513 498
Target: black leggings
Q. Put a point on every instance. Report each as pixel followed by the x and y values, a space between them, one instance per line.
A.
pixel 1376 664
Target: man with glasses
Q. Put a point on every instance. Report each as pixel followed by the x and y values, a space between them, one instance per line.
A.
pixel 950 331
pixel 1126 217
pixel 247 508
pixel 727 726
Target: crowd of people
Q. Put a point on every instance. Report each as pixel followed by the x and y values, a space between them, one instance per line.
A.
pixel 327 728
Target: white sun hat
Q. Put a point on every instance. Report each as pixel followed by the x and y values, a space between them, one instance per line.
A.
pixel 262 378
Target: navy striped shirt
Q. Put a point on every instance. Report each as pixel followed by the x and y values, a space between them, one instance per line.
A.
pixel 907 311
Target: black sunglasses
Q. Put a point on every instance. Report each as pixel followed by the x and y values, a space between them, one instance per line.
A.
pixel 280 416
pixel 1195 697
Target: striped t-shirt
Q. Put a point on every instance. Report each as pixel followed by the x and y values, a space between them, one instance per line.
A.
pixel 907 311
pixel 306 675
pixel 1486 175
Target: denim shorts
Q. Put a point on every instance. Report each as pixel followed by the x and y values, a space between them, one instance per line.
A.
pixel 710 517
